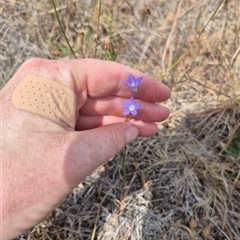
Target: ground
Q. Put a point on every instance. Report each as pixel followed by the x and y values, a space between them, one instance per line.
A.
pixel 182 183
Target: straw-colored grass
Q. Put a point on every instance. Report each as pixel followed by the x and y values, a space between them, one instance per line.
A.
pixel 184 182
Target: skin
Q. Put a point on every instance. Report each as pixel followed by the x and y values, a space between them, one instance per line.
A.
pixel 42 161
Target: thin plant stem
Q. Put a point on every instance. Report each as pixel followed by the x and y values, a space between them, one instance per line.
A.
pixel 98 21
pixel 61 27
pixel 124 172
pixel 212 16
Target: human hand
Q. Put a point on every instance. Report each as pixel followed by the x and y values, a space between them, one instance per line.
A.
pixel 42 161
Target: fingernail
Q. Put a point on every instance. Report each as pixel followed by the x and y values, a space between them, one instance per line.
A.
pixel 131 133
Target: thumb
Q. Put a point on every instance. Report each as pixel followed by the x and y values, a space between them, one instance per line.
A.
pixel 89 149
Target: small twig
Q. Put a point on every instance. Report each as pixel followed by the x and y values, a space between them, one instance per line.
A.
pixel 61 27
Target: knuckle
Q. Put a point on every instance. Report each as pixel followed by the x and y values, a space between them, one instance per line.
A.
pixel 33 65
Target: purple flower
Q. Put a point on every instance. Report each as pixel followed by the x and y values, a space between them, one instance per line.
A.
pixel 131 107
pixel 133 83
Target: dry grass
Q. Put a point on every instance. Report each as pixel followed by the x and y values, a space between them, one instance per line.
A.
pixel 183 183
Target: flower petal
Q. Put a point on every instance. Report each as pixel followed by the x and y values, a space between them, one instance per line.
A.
pixel 125 104
pixel 138 80
pixel 134 112
pixel 137 105
pixel 126 111
pixel 126 82
pixel 131 78
pixel 133 83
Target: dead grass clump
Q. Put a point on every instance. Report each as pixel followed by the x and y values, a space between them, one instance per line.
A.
pixel 223 125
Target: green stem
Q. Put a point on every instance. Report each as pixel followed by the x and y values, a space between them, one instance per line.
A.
pixel 61 27
pixel 124 172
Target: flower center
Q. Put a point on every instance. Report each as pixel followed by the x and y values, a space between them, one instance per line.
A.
pixel 131 107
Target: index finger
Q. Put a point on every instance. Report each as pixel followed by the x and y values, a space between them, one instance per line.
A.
pixel 105 78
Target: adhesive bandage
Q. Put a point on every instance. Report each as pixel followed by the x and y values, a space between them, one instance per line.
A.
pixel 46 98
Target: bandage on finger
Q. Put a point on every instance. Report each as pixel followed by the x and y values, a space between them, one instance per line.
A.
pixel 47 98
